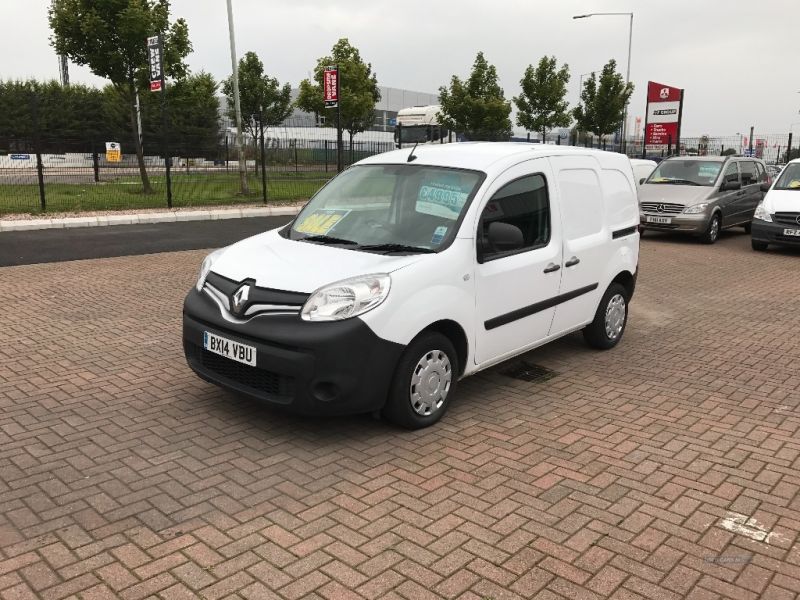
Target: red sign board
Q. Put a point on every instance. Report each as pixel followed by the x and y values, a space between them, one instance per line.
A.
pixel 663 114
pixel 155 86
pixel 330 86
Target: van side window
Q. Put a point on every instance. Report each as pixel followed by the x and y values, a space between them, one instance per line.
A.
pixel 523 203
pixel 762 173
pixel 731 173
pixel 749 175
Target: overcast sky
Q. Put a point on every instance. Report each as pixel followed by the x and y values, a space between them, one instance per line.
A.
pixel 736 59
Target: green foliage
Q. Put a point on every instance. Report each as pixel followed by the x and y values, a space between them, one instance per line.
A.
pixel 476 107
pixel 358 89
pixel 110 37
pixel 541 105
pixel 791 154
pixel 47 109
pixel 259 94
pixel 603 101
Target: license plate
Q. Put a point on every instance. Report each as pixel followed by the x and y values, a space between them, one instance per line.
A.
pixel 792 232
pixel 229 349
pixel 664 220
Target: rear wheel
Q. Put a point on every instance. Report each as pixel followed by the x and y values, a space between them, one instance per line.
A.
pixel 712 231
pixel 423 382
pixel 758 246
pixel 606 330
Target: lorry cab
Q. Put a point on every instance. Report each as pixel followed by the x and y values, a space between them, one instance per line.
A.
pixel 408 272
pixel 419 125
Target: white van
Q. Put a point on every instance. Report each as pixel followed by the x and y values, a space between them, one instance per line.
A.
pixel 642 168
pixel 408 272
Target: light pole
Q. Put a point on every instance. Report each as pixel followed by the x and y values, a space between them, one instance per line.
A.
pixel 580 91
pixel 628 69
pixel 243 187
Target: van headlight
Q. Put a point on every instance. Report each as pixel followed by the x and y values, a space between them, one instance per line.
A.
pixel 696 209
pixel 205 268
pixel 347 298
pixel 762 214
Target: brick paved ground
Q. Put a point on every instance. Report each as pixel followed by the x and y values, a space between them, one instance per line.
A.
pixel 666 468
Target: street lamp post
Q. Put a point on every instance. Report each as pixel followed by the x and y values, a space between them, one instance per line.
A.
pixel 237 105
pixel 628 68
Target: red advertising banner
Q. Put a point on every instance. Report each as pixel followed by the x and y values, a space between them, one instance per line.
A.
pixel 330 86
pixel 664 106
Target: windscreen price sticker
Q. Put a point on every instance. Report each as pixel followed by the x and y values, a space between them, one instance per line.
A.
pixel 441 201
pixel 154 57
pixel 320 222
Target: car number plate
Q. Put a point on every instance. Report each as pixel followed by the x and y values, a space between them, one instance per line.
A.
pixel 229 349
pixel 792 232
pixel 665 220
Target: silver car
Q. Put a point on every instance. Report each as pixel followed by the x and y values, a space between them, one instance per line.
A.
pixel 702 195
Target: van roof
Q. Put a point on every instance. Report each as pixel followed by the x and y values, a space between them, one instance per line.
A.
pixel 486 156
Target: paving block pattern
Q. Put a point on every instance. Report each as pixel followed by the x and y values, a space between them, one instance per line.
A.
pixel 666 468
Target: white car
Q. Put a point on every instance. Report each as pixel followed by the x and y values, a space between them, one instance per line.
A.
pixel 642 168
pixel 410 271
pixel 777 217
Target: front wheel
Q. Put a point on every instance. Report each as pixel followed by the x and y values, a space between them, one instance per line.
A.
pixel 606 330
pixel 423 382
pixel 712 231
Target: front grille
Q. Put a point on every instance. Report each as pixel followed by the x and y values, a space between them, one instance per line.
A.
pixel 666 209
pixel 264 383
pixel 786 218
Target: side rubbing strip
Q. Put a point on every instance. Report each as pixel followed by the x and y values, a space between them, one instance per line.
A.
pixel 623 232
pixel 527 311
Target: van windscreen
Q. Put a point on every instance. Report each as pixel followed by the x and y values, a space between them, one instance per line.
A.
pixel 686 172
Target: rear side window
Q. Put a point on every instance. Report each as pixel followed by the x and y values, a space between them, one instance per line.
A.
pixel 763 176
pixel 749 173
pixel 523 203
pixel 582 202
pixel 731 173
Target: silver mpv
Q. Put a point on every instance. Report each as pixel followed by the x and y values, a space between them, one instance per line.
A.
pixel 701 195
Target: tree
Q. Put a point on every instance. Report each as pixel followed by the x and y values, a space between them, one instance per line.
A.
pixel 729 152
pixel 541 105
pixel 602 107
pixel 358 90
pixel 478 107
pixel 110 38
pixel 259 94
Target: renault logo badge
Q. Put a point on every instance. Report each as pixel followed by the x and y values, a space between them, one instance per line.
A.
pixel 239 299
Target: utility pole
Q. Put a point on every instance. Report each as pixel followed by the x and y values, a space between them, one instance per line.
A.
pixel 243 187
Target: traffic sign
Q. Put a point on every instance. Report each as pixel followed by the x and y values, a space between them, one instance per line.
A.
pixel 113 152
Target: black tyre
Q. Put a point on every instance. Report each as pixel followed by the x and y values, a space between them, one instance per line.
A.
pixel 758 246
pixel 606 330
pixel 641 232
pixel 423 383
pixel 748 226
pixel 711 234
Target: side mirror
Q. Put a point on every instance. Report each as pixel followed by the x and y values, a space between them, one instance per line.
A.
pixel 642 180
pixel 765 186
pixel 504 237
pixel 729 186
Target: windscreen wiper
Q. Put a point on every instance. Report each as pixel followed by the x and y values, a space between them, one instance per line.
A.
pixel 682 181
pixel 327 239
pixel 396 248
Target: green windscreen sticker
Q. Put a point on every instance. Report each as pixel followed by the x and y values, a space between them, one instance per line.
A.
pixel 441 200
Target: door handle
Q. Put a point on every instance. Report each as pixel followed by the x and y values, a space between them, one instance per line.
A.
pixel 572 261
pixel 551 268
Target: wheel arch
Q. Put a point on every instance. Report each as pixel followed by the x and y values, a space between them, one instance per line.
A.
pixel 457 336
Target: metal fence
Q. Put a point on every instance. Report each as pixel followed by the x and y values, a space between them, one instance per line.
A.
pixel 57 174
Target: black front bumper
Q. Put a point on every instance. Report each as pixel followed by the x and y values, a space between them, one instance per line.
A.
pixel 338 367
pixel 772 233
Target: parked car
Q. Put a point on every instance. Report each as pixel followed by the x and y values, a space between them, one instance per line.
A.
pixel 774 170
pixel 415 268
pixel 702 195
pixel 777 217
pixel 642 169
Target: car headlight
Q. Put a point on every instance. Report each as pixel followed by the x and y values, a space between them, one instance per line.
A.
pixel 762 214
pixel 205 268
pixel 697 208
pixel 346 298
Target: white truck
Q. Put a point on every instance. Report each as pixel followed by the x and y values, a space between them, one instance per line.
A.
pixel 420 125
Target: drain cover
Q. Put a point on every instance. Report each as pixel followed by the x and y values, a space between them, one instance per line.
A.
pixel 525 371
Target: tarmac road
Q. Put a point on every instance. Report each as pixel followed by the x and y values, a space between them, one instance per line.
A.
pixel 55 245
